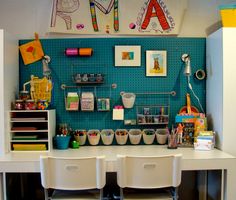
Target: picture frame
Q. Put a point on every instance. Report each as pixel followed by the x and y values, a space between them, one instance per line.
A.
pixel 156 63
pixel 127 56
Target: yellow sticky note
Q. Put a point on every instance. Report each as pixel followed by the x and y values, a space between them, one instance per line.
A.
pixel 118 114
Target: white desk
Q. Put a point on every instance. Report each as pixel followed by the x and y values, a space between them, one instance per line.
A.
pixel 192 160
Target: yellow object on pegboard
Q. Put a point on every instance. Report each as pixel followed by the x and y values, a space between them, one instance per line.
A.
pixel 32 51
pixel 40 89
pixel 228 15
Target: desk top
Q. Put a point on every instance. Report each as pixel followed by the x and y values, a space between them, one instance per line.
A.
pixel 192 159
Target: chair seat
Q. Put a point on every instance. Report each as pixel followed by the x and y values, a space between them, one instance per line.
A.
pixel 75 195
pixel 144 194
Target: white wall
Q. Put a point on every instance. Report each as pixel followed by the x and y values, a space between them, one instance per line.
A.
pixel 24 17
pixel 9 79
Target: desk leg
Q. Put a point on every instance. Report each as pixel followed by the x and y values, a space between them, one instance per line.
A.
pixel 3 188
pixel 223 175
pixel 202 184
pixel 230 177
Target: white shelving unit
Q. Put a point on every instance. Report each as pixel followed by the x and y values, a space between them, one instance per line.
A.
pixel 9 81
pixel 31 130
pixel 220 87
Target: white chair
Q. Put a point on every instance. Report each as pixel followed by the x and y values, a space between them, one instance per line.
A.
pixel 145 178
pixel 73 178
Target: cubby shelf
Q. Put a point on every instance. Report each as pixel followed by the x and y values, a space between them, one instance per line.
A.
pixel 31 130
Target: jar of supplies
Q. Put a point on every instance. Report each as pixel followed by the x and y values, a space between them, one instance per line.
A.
pixel 24 95
pixel 30 105
pixel 19 105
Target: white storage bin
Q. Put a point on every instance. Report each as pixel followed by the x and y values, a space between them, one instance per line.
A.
pixel 135 136
pixel 121 136
pixel 107 136
pixel 93 137
pixel 128 99
pixel 148 136
pixel 162 135
pixel 81 136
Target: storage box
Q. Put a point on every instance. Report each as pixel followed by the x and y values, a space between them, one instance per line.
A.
pixel 228 15
pixel 72 101
pixel 87 101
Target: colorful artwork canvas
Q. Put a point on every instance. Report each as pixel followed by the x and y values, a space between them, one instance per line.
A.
pixel 156 64
pixel 31 51
pixel 132 17
pixel 127 56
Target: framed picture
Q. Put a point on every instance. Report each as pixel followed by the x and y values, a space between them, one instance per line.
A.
pixel 156 63
pixel 126 56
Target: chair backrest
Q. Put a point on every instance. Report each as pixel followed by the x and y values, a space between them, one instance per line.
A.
pixel 149 172
pixel 73 173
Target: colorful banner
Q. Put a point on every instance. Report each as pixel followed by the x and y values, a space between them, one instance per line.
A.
pixel 132 17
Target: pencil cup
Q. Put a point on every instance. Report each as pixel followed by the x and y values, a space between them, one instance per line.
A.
pixel 61 142
pixel 172 141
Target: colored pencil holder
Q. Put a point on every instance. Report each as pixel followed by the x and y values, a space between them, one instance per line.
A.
pixel 61 142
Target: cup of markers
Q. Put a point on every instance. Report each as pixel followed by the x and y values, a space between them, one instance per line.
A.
pixel 61 141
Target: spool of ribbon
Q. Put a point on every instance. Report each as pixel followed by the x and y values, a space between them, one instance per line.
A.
pixel 85 51
pixel 79 51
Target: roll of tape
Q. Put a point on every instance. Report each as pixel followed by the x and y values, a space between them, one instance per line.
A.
pixel 200 74
pixel 72 51
pixel 85 51
pixel 79 51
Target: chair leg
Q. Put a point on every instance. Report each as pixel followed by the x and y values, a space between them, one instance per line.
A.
pixel 101 194
pixel 176 196
pixel 121 194
pixel 45 194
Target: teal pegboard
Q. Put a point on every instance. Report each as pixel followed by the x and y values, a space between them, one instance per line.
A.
pixel 130 79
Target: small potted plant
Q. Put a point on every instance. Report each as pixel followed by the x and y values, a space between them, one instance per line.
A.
pixel 80 136
pixel 93 137
pixel 121 136
pixel 135 136
pixel 107 136
pixel 148 136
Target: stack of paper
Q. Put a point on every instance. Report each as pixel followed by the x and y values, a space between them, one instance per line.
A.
pixel 29 147
pixel 205 141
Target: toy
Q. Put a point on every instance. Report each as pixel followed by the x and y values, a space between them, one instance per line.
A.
pixel 42 105
pixel 179 132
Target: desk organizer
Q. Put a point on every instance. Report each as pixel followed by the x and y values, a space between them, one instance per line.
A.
pixel 95 137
